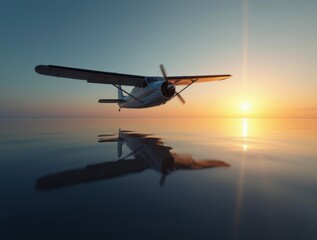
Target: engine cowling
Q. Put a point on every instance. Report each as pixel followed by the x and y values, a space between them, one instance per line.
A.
pixel 168 89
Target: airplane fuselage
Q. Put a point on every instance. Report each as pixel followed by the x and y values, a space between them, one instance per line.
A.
pixel 150 94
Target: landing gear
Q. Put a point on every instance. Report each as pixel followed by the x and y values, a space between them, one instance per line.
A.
pixel 119 109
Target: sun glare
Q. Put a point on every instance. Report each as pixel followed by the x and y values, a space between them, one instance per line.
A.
pixel 245 106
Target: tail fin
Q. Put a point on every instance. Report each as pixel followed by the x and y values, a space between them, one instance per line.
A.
pixel 119 143
pixel 120 94
pixel 119 100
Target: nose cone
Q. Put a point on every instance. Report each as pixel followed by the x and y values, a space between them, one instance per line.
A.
pixel 170 86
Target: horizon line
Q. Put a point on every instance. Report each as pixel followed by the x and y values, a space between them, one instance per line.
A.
pixel 99 117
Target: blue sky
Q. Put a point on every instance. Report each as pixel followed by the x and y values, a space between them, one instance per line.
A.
pixel 268 46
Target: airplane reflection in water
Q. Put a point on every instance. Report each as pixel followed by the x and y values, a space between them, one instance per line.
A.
pixel 147 152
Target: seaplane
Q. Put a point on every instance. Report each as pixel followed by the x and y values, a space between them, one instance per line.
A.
pixel 145 152
pixel 147 91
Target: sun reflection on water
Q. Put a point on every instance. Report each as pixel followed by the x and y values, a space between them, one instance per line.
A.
pixel 245 147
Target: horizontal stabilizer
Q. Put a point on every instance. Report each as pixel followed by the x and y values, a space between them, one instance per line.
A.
pixel 111 101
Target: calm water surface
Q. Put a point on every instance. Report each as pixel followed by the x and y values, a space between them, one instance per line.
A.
pixel 158 179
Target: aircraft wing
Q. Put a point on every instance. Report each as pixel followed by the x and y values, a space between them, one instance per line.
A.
pixel 90 173
pixel 186 80
pixel 90 76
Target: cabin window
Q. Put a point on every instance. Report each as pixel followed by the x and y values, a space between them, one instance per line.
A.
pixel 144 84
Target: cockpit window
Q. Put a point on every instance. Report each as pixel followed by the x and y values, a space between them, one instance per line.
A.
pixel 144 84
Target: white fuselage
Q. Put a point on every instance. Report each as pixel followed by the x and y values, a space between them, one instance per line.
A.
pixel 148 95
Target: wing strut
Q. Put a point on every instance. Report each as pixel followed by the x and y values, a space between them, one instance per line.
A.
pixel 127 93
pixel 177 93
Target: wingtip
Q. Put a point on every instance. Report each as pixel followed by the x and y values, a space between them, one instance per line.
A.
pixel 39 68
pixel 225 76
pixel 228 76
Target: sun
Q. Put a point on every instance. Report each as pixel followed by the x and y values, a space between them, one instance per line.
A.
pixel 245 106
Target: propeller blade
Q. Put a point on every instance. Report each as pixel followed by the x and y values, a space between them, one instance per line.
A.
pixel 180 98
pixel 166 79
pixel 164 72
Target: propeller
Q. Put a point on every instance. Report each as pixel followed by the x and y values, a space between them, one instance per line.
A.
pixel 170 88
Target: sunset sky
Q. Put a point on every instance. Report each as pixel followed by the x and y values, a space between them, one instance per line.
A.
pixel 268 46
